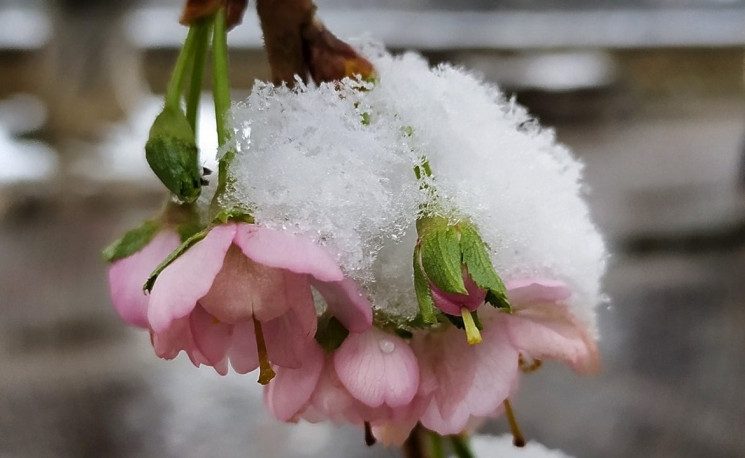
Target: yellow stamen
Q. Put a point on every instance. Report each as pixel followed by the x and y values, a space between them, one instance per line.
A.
pixel 472 332
pixel 266 373
pixel 517 436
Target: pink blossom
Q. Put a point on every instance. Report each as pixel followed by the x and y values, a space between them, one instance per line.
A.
pixel 243 295
pixel 373 377
pixel 473 381
pixel 127 275
pixel 453 303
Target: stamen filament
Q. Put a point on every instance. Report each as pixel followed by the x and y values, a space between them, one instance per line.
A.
pixel 266 373
pixel 472 332
pixel 369 436
pixel 518 440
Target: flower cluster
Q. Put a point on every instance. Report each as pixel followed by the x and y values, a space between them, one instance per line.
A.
pixel 387 253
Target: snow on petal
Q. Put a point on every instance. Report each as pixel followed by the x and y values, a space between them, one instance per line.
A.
pixel 188 278
pixel 377 368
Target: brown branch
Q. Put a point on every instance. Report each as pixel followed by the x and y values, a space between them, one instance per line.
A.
pixel 331 59
pixel 282 22
pixel 298 43
pixel 197 9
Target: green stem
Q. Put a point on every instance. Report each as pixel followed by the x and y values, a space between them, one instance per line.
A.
pixel 461 447
pixel 221 84
pixel 202 39
pixel 175 85
pixel 436 447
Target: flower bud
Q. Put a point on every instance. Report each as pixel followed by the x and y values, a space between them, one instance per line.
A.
pixel 172 153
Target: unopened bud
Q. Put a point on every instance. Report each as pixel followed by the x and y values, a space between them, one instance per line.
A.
pixel 172 153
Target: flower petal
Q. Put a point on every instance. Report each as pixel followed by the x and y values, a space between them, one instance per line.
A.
pixel 188 278
pixel 285 340
pixel 529 291
pixel 377 368
pixel 127 276
pixel 211 337
pixel 243 354
pixel 549 331
pixel 347 302
pixel 452 303
pixel 284 251
pixel 493 365
pixel 244 289
pixel 291 389
pixel 300 299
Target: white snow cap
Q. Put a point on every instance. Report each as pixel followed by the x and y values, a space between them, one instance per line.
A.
pixel 501 447
pixel 335 163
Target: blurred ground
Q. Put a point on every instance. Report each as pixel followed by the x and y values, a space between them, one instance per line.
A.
pixel 663 154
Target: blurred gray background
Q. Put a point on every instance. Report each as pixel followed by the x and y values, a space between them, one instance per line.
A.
pixel 649 93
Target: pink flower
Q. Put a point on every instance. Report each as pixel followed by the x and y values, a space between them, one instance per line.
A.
pixel 243 294
pixel 126 277
pixel 373 377
pixel 454 303
pixel 474 381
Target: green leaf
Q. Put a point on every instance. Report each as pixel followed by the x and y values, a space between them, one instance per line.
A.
pixel 480 267
pixel 188 243
pixel 330 333
pixel 172 153
pixel 131 242
pixel 441 259
pixel 423 292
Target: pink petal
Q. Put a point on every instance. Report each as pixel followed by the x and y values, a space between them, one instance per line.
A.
pixel 243 354
pixel 377 368
pixel 291 389
pixel 548 331
pixel 244 289
pixel 460 395
pixel 300 298
pixel 452 303
pixel 529 291
pixel 211 337
pixel 284 251
pixel 330 400
pixel 286 340
pixel 188 278
pixel 127 276
pixel 347 302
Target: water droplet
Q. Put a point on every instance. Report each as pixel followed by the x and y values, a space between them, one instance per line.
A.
pixel 386 346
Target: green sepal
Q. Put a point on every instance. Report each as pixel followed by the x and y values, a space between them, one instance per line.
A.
pixel 330 333
pixel 423 291
pixel 175 254
pixel 480 268
pixel 131 242
pixel 441 259
pixel 235 215
pixel 187 230
pixel 172 153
